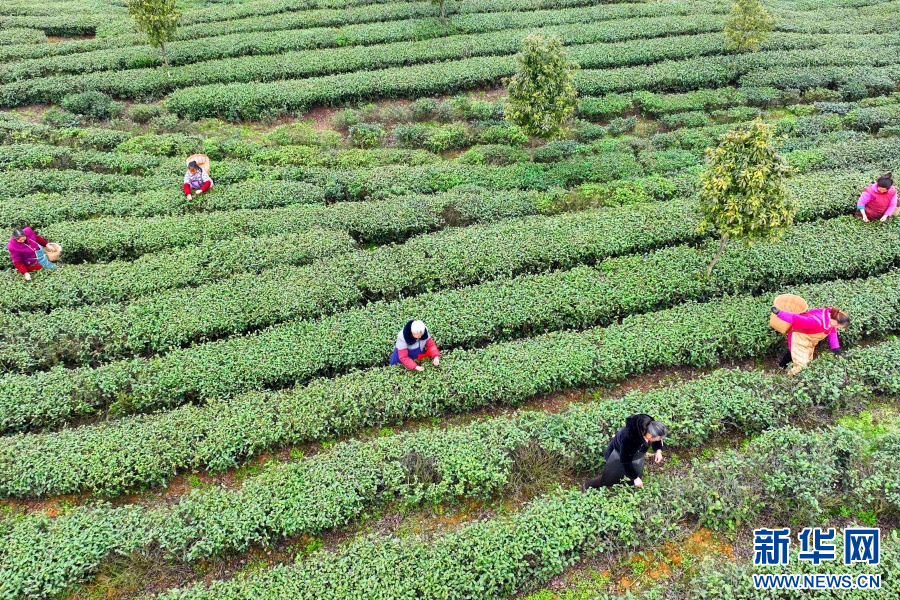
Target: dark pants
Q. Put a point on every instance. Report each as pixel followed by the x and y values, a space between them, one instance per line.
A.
pixel 614 472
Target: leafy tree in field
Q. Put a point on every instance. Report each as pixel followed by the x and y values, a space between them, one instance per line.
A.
pixel 441 4
pixel 542 93
pixel 743 191
pixel 158 19
pixel 748 24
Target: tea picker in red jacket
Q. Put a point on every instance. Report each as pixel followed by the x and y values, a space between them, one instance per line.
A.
pixel 625 453
pixel 196 180
pixel 879 200
pixel 415 344
pixel 26 249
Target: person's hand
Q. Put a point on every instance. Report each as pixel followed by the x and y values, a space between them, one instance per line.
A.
pixel 658 457
pixel 27 276
pixel 774 310
pixel 437 360
pixel 638 483
pixel 864 217
pixel 189 197
pixel 199 191
pixel 883 219
pixel 837 351
pixel 420 368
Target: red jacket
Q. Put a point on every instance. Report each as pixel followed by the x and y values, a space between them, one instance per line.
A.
pixel 431 351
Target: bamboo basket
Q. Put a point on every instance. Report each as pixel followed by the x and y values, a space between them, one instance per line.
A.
pixel 789 303
pixel 53 250
pixel 202 161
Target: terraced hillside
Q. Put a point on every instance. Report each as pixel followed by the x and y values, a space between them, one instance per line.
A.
pixel 197 404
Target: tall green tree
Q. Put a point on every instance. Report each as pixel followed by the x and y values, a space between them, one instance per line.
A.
pixel 542 94
pixel 748 25
pixel 743 190
pixel 441 4
pixel 157 19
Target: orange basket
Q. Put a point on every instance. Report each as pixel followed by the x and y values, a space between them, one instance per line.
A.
pixel 790 303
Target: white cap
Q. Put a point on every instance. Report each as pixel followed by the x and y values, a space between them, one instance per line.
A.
pixel 417 327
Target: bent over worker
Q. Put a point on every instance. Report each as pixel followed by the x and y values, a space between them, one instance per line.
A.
pixel 196 180
pixel 879 200
pixel 414 344
pixel 625 453
pixel 807 330
pixel 26 249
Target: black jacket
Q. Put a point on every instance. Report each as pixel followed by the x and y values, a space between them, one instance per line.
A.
pixel 629 442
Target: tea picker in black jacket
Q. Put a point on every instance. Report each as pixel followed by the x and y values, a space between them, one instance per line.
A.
pixel 625 453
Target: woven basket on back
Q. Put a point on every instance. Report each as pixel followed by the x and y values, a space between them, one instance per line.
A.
pixel 202 161
pixel 790 303
pixel 53 250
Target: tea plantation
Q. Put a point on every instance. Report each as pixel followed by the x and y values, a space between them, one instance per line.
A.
pixel 198 404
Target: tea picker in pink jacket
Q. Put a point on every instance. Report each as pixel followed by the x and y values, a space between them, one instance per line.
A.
pixel 879 200
pixel 26 249
pixel 807 330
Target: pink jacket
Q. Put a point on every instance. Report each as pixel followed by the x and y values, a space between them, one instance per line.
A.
pixel 25 253
pixel 812 322
pixel 878 204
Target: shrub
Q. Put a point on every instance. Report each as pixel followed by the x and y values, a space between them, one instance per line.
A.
pixel 496 155
pixel 604 107
pixel 165 123
pixel 411 135
pixel 58 118
pixel 686 119
pixel 585 131
pixel 448 137
pixel 168 144
pixel 558 150
pixel 367 135
pixel 303 134
pixel 820 94
pixel 506 134
pixel 621 126
pixel 144 113
pixel 94 105
pixel 346 119
pixel 423 109
pixel 762 96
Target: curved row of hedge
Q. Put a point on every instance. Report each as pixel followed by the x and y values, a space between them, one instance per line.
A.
pixel 452 258
pixel 386 182
pixel 786 473
pixel 371 222
pixel 44 209
pixel 188 55
pixel 337 17
pixel 151 83
pixel 446 259
pixel 79 285
pixel 22 35
pixel 147 450
pixel 474 460
pixel 79 390
pixel 249 101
